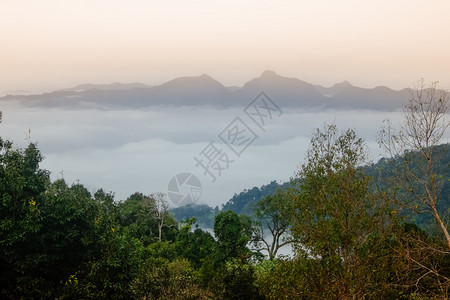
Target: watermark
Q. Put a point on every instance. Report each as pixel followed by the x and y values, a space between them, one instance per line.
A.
pixel 214 160
pixel 238 136
pixel 184 189
pixel 262 110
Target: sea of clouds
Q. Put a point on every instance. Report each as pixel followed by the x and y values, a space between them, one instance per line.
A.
pixel 131 150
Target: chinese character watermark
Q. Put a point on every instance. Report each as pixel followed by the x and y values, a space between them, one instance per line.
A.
pixel 262 110
pixel 214 160
pixel 237 136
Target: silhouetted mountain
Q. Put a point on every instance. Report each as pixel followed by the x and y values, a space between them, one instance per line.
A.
pixel 201 90
pixel 380 98
pixel 204 90
pixel 107 87
pixel 15 92
pixel 283 90
pixel 335 89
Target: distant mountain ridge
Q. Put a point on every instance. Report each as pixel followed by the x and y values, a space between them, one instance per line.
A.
pixel 205 90
pixel 335 89
pixel 107 87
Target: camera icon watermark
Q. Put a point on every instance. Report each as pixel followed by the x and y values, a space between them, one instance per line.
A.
pixel 184 189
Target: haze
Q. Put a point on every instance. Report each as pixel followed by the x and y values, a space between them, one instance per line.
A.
pixel 51 44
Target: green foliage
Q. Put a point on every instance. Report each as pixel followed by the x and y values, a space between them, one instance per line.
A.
pixel 237 280
pixel 22 187
pixel 269 218
pixel 162 279
pixel 231 238
pixel 137 218
pixel 338 220
pixel 386 170
pixel 203 214
pixel 195 246
pixel 281 279
pixel 244 202
pixel 422 266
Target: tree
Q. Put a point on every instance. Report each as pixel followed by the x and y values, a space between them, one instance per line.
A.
pixel 22 187
pixel 422 129
pixel 237 280
pixel 143 219
pixel 194 245
pixel 231 240
pixel 339 221
pixel 269 216
pixel 160 210
pixel 160 278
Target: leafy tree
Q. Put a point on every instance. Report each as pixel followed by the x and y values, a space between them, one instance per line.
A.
pixel 139 218
pixel 237 280
pixel 135 219
pixel 195 245
pixel 114 256
pixel 163 279
pixel 21 180
pixel 110 275
pixel 339 221
pixel 422 269
pixel 268 212
pixel 22 187
pixel 231 240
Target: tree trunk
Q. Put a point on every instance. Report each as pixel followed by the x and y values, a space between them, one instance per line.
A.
pixel 444 228
pixel 159 231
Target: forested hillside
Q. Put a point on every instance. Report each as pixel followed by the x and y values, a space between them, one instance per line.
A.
pixel 245 202
pixel 242 203
pixel 384 171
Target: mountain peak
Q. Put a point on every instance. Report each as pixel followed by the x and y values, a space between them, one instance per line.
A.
pixel 343 84
pixel 193 86
pixel 192 81
pixel 269 73
pixel 206 76
pixel 335 89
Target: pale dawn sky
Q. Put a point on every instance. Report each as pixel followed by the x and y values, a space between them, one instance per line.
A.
pixel 49 44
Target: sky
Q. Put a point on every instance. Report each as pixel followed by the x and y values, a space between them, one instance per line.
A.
pixel 50 44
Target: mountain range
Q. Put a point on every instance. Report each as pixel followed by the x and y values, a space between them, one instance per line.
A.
pixel 205 90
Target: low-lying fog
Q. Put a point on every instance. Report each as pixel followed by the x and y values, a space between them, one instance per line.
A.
pixel 125 151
